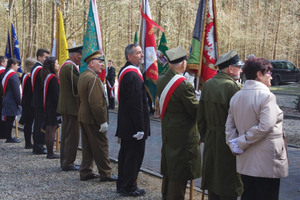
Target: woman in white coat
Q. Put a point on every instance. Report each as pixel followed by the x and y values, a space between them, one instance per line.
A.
pixel 255 135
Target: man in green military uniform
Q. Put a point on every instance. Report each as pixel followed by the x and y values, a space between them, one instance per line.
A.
pixel 68 75
pixel 180 160
pixel 92 115
pixel 219 174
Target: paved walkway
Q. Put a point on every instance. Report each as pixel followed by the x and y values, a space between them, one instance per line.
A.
pixel 288 189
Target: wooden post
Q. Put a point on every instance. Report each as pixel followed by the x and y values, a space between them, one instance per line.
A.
pixel 17 130
pixel 202 195
pixel 191 189
pixel 57 138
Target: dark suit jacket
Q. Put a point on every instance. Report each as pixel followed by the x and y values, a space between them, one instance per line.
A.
pixel 111 75
pixel 52 93
pixel 37 97
pixel 27 91
pixel 133 114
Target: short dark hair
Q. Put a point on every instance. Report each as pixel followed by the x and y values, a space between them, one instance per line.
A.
pixel 40 52
pixel 111 61
pixel 255 64
pixel 2 59
pixel 129 50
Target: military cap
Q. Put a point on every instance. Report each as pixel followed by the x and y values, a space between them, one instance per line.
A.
pixel 75 49
pixel 176 55
pixel 229 58
pixel 96 55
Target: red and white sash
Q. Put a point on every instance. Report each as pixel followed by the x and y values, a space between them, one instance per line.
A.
pixel 129 68
pixel 2 69
pixel 111 89
pixel 167 93
pixel 33 75
pixel 6 78
pixel 65 63
pixel 25 77
pixel 46 85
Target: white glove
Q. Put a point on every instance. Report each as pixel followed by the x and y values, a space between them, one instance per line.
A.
pixel 103 127
pixel 236 149
pixel 139 135
pixel 198 94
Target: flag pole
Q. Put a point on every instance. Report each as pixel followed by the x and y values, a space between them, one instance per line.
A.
pixel 216 27
pixel 57 138
pixel 201 49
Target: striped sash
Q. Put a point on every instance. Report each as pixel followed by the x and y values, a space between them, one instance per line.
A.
pixel 129 68
pixel 33 75
pixel 46 85
pixel 6 78
pixel 167 93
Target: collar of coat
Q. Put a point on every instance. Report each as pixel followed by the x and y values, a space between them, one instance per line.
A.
pixel 254 85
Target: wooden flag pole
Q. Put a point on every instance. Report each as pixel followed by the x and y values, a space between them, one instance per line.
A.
pixel 57 138
pixel 17 130
pixel 202 195
pixel 191 189
pixel 216 28
pixel 201 48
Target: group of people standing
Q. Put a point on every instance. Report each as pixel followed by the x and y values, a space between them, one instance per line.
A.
pixel 241 127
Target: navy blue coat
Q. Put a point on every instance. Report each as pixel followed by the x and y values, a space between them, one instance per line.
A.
pixel 12 98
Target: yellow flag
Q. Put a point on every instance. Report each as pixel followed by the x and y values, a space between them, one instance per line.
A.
pixel 61 41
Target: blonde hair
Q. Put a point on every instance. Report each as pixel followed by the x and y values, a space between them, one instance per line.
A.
pixel 29 62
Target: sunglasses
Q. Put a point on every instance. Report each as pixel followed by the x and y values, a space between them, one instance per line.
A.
pixel 270 73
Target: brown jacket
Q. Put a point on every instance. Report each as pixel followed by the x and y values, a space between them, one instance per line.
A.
pixel 92 102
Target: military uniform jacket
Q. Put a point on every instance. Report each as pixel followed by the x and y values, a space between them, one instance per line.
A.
pixel 180 150
pixel 219 164
pixel 133 113
pixel 68 79
pixel 92 104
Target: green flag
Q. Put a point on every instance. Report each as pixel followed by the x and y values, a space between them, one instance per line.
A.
pixel 136 40
pixel 161 55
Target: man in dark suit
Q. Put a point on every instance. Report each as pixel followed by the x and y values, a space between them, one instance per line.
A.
pixel 37 102
pixel 110 84
pixel 133 122
pixel 67 106
pixel 92 114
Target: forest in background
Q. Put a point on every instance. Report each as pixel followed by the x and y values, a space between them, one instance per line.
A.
pixel 266 28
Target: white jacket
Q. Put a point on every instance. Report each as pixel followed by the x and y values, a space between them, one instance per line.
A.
pixel 255 120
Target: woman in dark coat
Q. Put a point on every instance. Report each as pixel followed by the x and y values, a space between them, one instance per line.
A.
pixel 27 110
pixel 11 97
pixel 50 101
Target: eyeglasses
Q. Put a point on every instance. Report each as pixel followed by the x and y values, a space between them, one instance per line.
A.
pixel 270 73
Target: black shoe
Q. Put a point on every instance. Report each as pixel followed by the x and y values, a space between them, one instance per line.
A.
pixel 39 152
pixel 29 146
pixel 111 178
pixel 53 156
pixel 92 176
pixel 73 168
pixel 13 140
pixel 136 193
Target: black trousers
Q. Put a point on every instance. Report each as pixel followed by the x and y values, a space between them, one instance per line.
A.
pixel 38 136
pixel 9 121
pixel 28 117
pixel 2 123
pixel 130 159
pixel 111 101
pixel 260 188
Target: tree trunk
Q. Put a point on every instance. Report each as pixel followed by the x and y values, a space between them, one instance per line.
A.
pixel 277 30
pixel 29 40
